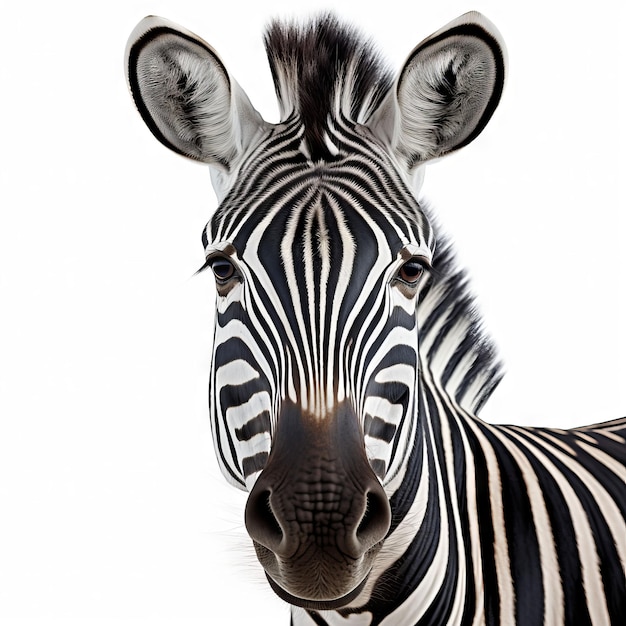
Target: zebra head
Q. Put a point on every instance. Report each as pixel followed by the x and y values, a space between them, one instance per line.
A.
pixel 317 247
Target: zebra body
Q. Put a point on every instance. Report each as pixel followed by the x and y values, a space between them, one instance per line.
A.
pixel 349 364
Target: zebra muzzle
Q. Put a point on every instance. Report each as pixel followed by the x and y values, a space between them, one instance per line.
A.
pixel 317 514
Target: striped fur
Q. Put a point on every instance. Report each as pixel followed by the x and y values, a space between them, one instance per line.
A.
pixel 489 524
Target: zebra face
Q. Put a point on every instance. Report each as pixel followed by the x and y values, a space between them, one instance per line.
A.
pixel 317 285
pixel 317 248
pixel 315 361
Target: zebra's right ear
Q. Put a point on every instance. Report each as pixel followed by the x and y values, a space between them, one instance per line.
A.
pixel 186 96
pixel 446 92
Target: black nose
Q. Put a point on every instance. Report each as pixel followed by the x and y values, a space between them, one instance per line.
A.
pixel 344 515
pixel 318 490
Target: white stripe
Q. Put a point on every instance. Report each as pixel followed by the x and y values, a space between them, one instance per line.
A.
pixel 238 372
pixel 238 416
pixel 399 372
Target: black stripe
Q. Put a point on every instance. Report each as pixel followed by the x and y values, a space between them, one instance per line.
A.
pixel 255 426
pixel 256 463
pixel 378 428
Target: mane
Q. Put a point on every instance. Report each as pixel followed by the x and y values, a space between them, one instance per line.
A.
pixel 324 69
pixel 454 346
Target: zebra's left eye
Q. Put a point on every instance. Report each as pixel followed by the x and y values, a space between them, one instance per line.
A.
pixel 411 272
pixel 223 269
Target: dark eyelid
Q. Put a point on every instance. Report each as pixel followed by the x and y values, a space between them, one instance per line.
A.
pixel 218 254
pixel 422 260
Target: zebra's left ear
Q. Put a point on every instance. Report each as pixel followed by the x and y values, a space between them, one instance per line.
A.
pixel 446 92
pixel 186 96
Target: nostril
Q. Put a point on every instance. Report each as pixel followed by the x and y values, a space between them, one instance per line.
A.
pixel 376 519
pixel 268 515
pixel 261 523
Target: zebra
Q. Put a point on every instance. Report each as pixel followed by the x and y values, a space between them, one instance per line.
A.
pixel 349 363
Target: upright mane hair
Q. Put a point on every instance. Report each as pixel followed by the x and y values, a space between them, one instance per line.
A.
pixel 324 69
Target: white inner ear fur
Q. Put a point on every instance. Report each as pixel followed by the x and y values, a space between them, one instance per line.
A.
pixel 188 100
pixel 432 123
pixel 188 96
pixel 444 95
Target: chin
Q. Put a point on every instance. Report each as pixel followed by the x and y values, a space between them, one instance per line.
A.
pixel 316 604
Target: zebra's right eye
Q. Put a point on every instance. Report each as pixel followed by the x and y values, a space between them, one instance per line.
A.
pixel 223 269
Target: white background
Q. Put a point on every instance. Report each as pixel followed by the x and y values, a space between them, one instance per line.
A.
pixel 112 510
